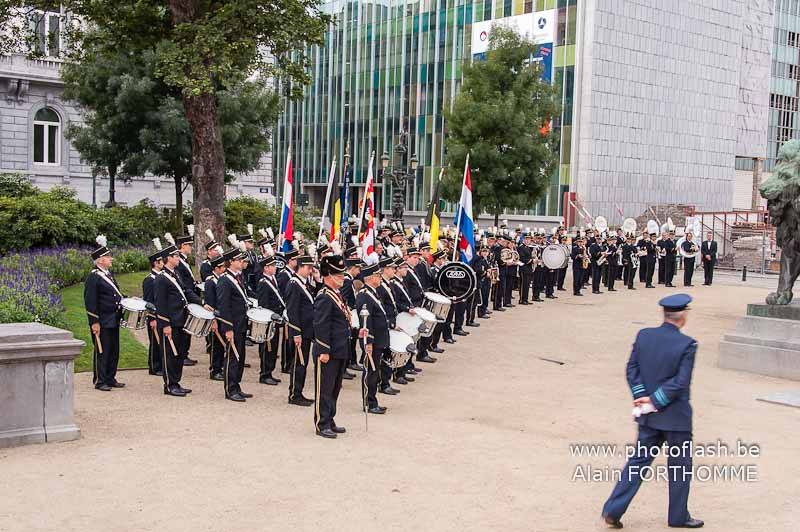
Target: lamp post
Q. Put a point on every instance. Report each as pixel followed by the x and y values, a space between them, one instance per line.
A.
pixel 401 172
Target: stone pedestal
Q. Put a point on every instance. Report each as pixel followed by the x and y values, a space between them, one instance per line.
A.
pixel 766 341
pixel 36 387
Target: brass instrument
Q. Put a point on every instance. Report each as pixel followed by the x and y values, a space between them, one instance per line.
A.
pixel 509 256
pixel 584 258
pixel 494 274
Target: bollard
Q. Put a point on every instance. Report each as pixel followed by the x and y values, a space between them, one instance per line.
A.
pixel 744 273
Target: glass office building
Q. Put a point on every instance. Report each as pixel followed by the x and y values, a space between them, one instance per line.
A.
pixel 395 66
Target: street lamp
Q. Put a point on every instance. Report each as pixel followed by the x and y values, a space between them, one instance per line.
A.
pixel 400 174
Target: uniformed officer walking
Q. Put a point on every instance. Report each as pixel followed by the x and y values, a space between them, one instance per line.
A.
pixel 102 296
pixel 659 374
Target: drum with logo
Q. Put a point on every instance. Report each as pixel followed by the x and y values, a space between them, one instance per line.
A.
pixel 456 281
pixel 554 256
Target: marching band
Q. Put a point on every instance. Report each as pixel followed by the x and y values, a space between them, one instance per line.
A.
pixel 328 306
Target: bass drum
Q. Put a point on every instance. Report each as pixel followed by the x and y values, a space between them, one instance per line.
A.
pixel 457 281
pixel 554 256
pixel 280 262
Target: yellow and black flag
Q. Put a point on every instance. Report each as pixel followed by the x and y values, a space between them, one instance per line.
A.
pixel 434 212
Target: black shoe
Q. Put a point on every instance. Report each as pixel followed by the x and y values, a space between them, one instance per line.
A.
pixel 525 303
pixel 631 288
pixel 649 286
pixel 159 373
pixel 551 297
pixel 235 397
pixel 246 365
pixel 300 401
pixel 612 522
pixel 401 380
pixel 460 332
pixel 561 289
pixel 691 523
pixel 338 430
pixel 390 391
pixel 409 378
pixel 118 385
pixel 186 391
pixel 346 375
pixel 269 380
pixel 286 371
pixel 483 316
pixel 327 433
pixel 415 370
pixel 449 341
pixel 217 376
pixel 435 350
pixel 499 310
pixel 511 305
pixel 102 387
pixel 473 324
pixel 538 300
pixel 175 392
pixel 355 367
pixel 189 362
pixel 246 395
pixel 596 292
pixel 577 294
pixel 377 410
pixel 612 289
pixel 670 285
pixel 427 358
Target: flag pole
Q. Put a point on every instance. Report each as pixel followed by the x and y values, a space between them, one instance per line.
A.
pixel 341 236
pixel 283 198
pixel 331 179
pixel 366 188
pixel 458 212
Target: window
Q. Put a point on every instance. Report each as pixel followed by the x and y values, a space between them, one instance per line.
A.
pixel 46 137
pixel 49 34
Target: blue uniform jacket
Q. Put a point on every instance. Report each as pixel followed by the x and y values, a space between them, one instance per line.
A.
pixel 660 366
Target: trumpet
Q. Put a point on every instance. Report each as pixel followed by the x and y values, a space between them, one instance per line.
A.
pixel 509 256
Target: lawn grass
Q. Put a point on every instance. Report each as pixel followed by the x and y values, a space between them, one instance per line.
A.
pixel 132 354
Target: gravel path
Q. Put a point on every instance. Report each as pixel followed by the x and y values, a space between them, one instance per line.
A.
pixel 479 442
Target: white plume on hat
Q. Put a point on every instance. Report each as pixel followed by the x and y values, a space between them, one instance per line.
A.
pixel 210 234
pixel 311 249
pixel 190 229
pixel 371 259
pixel 101 240
pixel 337 249
pixel 262 233
pixel 233 241
pixel 359 252
pixel 296 244
pixel 250 229
pixel 268 250
pixel 168 237
pixel 324 240
pixel 270 233
pixel 157 243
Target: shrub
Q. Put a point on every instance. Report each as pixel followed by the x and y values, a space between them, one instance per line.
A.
pixel 246 209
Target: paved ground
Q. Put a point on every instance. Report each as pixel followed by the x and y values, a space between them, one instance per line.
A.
pixel 479 442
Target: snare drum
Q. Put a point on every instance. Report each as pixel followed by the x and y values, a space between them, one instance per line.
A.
pixel 134 313
pixel 437 304
pixel 199 321
pixel 409 324
pixel 260 325
pixel 401 348
pixel 428 321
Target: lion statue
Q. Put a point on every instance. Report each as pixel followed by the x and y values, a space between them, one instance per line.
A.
pixel 782 192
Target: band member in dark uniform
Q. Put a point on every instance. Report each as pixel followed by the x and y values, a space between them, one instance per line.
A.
pixel 416 291
pixel 232 306
pixel 377 338
pixel 300 313
pixel 348 293
pixel 579 253
pixel 331 345
pixel 216 347
pixel 102 296
pixel 662 255
pixel 562 272
pixel 213 250
pixel 688 246
pixel 251 257
pixel 539 270
pixel 629 251
pixel 641 244
pixel 269 297
pixel 283 277
pixel 442 330
pixel 186 277
pixel 511 275
pixel 171 300
pixel 526 270
pixel 404 303
pixel 390 307
pixel 500 287
pixel 155 365
pixel 669 261
pixel 649 261
pixel 709 252
pixel 480 302
pixel 611 264
pixel 596 252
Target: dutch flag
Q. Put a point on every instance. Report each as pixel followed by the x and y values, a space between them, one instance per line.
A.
pixel 287 214
pixel 463 221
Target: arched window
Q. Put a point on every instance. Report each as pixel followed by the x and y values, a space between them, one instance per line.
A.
pixel 47 137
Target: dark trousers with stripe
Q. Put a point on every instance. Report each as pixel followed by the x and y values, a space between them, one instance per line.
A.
pixel 459 311
pixel 688 271
pixel 577 279
pixel 597 274
pixel 155 363
pixel 485 286
pixel 268 354
pixel 650 266
pixel 370 377
pixel 172 357
pixel 104 365
pixel 662 270
pixel 235 361
pixel 328 378
pixel 287 353
pixel 526 279
pixel 216 355
pixel 630 275
pixel 679 467
pixel 508 289
pixel 708 270
pixel 499 292
pixel 669 269
pixel 562 276
pixel 297 376
pixel 550 277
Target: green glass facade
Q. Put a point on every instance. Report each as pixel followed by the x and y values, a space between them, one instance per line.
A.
pixel 396 65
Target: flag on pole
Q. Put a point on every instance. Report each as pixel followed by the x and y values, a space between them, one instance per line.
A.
pixel 368 216
pixel 619 210
pixel 326 222
pixel 434 212
pixel 341 208
pixel 287 214
pixel 465 230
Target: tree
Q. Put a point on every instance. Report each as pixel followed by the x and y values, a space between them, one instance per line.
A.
pixel 200 46
pixel 499 118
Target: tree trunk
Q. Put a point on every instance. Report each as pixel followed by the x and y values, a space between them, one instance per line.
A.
pixel 178 204
pixel 208 168
pixel 112 174
pixel 496 218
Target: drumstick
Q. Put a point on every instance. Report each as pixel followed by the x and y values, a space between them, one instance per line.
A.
pixel 99 343
pixel 172 344
pixel 300 350
pixel 219 337
pixel 235 351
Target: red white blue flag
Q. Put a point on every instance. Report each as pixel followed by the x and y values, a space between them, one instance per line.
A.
pixel 287 214
pixel 464 220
